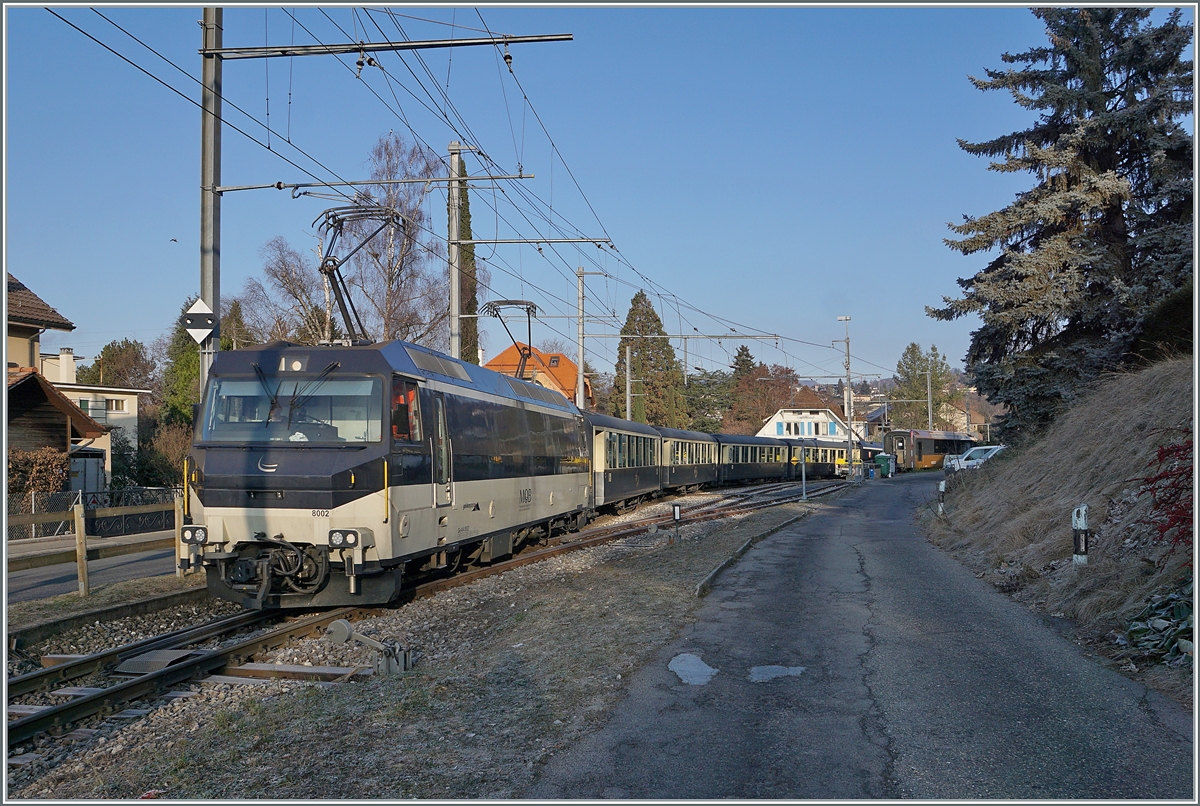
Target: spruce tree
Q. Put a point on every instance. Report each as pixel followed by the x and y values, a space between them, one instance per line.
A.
pixel 709 396
pixel 1104 233
pixel 911 384
pixel 743 364
pixel 659 396
pixel 181 374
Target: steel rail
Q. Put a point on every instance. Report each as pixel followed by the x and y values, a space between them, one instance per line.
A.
pixel 43 679
pixel 57 717
pixel 608 535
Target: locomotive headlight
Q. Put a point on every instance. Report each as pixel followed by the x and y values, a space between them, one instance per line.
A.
pixel 194 534
pixel 344 537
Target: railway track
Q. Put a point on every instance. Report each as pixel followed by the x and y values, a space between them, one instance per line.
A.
pixel 175 665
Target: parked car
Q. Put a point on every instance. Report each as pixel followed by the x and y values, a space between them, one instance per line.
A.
pixel 971 459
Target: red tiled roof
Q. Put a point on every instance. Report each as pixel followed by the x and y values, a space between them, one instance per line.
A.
pixel 807 398
pixel 27 308
pixel 564 374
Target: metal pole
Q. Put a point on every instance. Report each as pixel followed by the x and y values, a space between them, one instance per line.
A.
pixel 929 395
pixel 803 472
pixel 453 248
pixel 849 402
pixel 579 331
pixel 210 178
pixel 628 386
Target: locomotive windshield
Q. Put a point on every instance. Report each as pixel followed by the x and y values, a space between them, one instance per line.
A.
pixel 292 408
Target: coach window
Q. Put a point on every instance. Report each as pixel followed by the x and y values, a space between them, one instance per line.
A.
pixel 406 411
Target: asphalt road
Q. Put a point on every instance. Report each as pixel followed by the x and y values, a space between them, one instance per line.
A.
pixel 854 660
pixel 53 580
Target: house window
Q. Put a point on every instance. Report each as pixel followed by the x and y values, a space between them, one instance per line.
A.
pixel 554 361
pixel 833 429
pixel 114 404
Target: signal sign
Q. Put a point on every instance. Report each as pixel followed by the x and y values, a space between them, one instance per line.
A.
pixel 199 321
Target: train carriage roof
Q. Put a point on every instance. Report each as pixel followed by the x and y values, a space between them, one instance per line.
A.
pixel 926 434
pixel 387 357
pixel 738 439
pixel 606 423
pixel 676 433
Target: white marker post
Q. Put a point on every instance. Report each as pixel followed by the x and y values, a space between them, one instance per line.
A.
pixel 941 497
pixel 1079 528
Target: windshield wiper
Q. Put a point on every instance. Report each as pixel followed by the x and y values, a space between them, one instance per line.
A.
pixel 262 378
pixel 303 394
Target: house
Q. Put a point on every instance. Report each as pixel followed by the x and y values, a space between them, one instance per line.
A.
pixel 551 370
pixel 955 414
pixel 35 419
pixel 28 318
pixel 111 406
pixel 40 416
pixel 809 414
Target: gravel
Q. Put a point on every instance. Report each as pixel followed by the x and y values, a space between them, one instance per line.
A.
pixel 507 671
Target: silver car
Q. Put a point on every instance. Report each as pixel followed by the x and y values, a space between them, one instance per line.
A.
pixel 972 458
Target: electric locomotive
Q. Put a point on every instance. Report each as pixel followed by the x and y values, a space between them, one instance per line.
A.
pixel 321 475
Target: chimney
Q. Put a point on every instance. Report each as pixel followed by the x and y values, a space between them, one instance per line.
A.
pixel 66 365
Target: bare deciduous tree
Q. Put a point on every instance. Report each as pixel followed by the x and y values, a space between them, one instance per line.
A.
pixel 292 302
pixel 401 273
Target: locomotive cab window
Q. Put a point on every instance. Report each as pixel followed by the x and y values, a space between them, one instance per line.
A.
pixel 322 409
pixel 406 411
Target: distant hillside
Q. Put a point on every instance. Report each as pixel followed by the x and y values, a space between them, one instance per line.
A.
pixel 1011 520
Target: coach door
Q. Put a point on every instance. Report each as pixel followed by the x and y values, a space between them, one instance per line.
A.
pixel 440 453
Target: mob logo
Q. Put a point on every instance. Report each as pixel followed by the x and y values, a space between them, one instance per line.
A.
pixel 267 468
pixel 525 498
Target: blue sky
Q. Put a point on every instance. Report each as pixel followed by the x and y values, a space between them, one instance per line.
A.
pixel 773 168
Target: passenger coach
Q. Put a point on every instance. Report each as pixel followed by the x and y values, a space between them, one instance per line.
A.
pixel 626 460
pixel 689 459
pixel 752 458
pixel 924 450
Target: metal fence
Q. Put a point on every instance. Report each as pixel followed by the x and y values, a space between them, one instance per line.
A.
pixel 34 503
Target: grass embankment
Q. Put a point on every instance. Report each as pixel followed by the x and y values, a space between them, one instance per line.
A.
pixel 35 611
pixel 1010 521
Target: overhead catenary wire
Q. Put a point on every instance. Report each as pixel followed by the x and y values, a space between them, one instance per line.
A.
pixel 554 226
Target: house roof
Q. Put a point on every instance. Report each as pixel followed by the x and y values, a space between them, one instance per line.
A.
pixel 977 415
pixel 564 371
pixel 27 308
pixel 808 398
pixel 81 423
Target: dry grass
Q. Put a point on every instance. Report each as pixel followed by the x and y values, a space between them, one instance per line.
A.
pixel 509 671
pixel 1011 519
pixel 23 614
